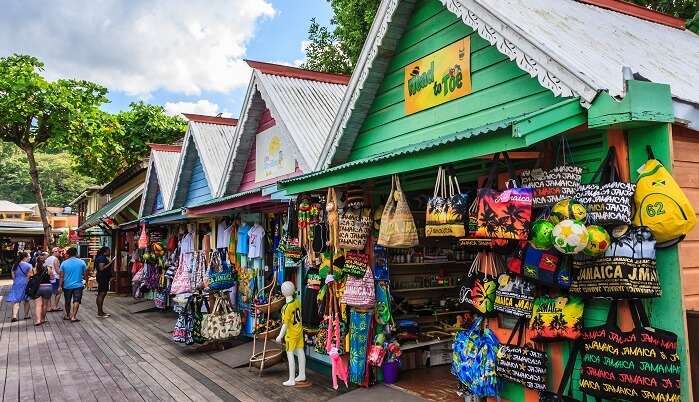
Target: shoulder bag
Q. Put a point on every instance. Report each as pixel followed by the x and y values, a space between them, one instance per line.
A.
pixel 397 228
pixel 221 323
pixel 182 332
pixel 514 296
pixel 479 286
pixel 556 318
pixel 520 363
pixel 557 184
pixel 474 360
pixel 221 275
pixel 355 226
pixel 34 282
pixel 447 210
pixel 360 292
pixel 181 283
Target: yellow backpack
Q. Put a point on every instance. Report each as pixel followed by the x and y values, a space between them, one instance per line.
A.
pixel 661 205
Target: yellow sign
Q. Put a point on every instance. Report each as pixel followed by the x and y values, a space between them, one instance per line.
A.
pixel 440 77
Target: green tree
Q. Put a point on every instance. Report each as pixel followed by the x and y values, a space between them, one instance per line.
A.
pixel 336 49
pixel 59 181
pixel 121 140
pixel 685 9
pixel 34 111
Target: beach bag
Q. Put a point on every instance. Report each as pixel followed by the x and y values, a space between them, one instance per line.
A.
pixel 375 355
pixel 479 285
pixel 355 226
pixel 172 243
pixel 503 214
pixel 626 270
pixel 447 210
pixel 198 276
pixel 356 264
pixel 546 267
pixel 197 318
pixel 639 365
pixel 360 292
pixel 556 318
pixel 221 323
pixel 181 283
pixel 514 296
pixel 661 205
pixel 143 238
pixel 34 283
pixel 474 359
pixel 160 299
pixel 557 184
pixel 182 332
pixel 522 363
pixel 608 201
pixel 221 275
pixel 397 228
pixel 566 381
pixel 380 263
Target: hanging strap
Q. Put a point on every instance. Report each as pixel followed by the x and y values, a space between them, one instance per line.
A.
pixel 566 379
pixel 597 177
pixel 493 171
pixel 612 316
pixel 519 330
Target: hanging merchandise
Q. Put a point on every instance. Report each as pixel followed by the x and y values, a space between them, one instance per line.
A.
pixel 198 277
pixel 220 274
pixel 292 250
pixel 360 292
pixel 546 267
pixel 474 361
pixel 221 323
pixel 520 363
pixel 661 205
pixel 598 241
pixel 551 186
pixel 542 234
pixel 627 269
pixel 181 283
pixel 446 213
pixel 503 214
pixel 172 243
pixel 638 365
pixel 359 336
pixel 384 315
pixel 182 332
pixel 556 318
pixel 514 296
pixel 380 263
pixel 479 285
pixel 397 228
pixel 331 208
pixel 197 318
pixel 607 200
pixel 143 238
pixel 310 316
pixel 568 209
pixel 570 237
pixel 160 299
pixel 355 226
pixel 356 263
pixel 566 381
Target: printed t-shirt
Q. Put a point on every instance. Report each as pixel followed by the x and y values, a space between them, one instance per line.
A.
pixel 73 273
pixel 291 317
pixel 56 271
pixel 242 247
pixel 256 237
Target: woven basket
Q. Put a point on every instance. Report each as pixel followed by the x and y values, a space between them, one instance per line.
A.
pixel 272 357
pixel 276 305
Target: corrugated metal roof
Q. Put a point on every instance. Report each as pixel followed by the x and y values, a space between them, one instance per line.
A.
pixel 8 206
pixel 226 198
pixel 113 207
pixel 213 141
pixel 165 164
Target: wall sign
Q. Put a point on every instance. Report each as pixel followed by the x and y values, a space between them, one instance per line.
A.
pixel 437 78
pixel 273 156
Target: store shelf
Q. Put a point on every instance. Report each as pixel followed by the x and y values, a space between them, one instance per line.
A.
pixel 442 313
pixel 422 289
pixel 420 264
pixel 416 345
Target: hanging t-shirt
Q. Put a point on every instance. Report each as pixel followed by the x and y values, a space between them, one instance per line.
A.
pixel 310 316
pixel 223 234
pixel 186 244
pixel 242 247
pixel 256 237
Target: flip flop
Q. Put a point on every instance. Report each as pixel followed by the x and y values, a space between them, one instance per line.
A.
pixel 75 320
pixel 66 318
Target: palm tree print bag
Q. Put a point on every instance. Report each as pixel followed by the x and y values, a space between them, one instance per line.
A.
pixel 503 214
pixel 556 318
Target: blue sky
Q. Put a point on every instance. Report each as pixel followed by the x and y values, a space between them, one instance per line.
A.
pixel 183 54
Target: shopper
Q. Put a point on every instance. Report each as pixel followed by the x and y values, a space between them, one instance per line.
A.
pixel 103 267
pixel 21 268
pixel 45 291
pixel 73 276
pixel 54 261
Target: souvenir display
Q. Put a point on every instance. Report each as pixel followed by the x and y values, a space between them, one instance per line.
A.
pixel 354 228
pixel 568 209
pixel 626 270
pixel 397 225
pixel 221 322
pixel 514 296
pixel 556 184
pixel 220 273
pixel 661 205
pixel 608 201
pixel 556 318
pixel 478 289
pixel 598 241
pixel 474 360
pixel 570 237
pixel 360 292
pixel 522 363
pixel 542 234
pixel 637 365
pixel 546 268
pixel 356 263
pixel 447 210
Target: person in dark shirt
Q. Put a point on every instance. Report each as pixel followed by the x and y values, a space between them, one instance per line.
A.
pixel 103 268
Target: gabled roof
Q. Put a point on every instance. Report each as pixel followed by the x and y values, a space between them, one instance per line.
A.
pixel 8 206
pixel 113 208
pixel 162 168
pixel 303 104
pixel 210 138
pixel 573 48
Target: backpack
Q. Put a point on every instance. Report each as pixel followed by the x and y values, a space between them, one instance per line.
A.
pixel 661 205
pixel 474 360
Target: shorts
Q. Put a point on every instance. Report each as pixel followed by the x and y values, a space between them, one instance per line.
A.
pixel 103 283
pixel 54 285
pixel 45 291
pixel 294 343
pixel 74 295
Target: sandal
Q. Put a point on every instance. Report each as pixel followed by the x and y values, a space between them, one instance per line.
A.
pixel 75 320
pixel 14 320
pixel 66 318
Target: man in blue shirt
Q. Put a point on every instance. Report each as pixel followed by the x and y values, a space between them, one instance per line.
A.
pixel 73 274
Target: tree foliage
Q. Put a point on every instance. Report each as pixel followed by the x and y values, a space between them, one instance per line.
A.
pixel 336 48
pixel 679 8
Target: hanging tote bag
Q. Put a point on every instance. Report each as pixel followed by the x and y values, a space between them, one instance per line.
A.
pixel 474 360
pixel 360 292
pixel 197 318
pixel 546 267
pixel 181 283
pixel 355 226
pixel 182 332
pixel 520 363
pixel 661 205
pixel 626 270
pixel 608 201
pixel 514 296
pixel 556 318
pixel 143 238
pixel 478 289
pixel 356 263
pixel 557 184
pixel 198 277
pixel 221 323
pixel 397 228
pixel 506 214
pixel 640 365
pixel 221 275
pixel 566 381
pixel 447 210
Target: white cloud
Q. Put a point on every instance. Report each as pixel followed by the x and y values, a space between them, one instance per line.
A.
pixel 137 47
pixel 201 106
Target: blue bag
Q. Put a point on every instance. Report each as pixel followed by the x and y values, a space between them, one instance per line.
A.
pixel 474 360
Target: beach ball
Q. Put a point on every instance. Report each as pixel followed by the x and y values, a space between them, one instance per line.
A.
pixel 598 240
pixel 568 209
pixel 542 234
pixel 570 237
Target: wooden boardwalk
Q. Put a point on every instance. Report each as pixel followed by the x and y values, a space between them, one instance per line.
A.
pixel 127 357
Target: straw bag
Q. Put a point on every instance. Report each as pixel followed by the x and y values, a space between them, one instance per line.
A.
pixel 446 213
pixel 355 226
pixel 397 225
pixel 222 322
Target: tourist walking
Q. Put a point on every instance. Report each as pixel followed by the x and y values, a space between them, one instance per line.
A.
pixel 73 270
pixel 103 268
pixel 20 276
pixel 42 298
pixel 54 262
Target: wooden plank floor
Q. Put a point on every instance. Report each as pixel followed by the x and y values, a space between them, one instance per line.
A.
pixel 128 357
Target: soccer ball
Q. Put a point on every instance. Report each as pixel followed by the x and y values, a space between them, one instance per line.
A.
pixel 568 209
pixel 570 237
pixel 598 241
pixel 542 234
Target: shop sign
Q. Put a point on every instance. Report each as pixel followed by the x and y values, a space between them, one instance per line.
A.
pixel 440 77
pixel 273 156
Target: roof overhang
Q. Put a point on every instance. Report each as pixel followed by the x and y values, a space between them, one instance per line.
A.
pixel 113 208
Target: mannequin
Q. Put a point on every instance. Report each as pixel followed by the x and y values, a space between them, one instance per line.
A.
pixel 292 333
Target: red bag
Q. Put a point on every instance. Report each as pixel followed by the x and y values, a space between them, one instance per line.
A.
pixel 143 239
pixel 172 243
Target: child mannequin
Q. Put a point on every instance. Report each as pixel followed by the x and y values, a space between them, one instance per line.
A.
pixel 292 333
